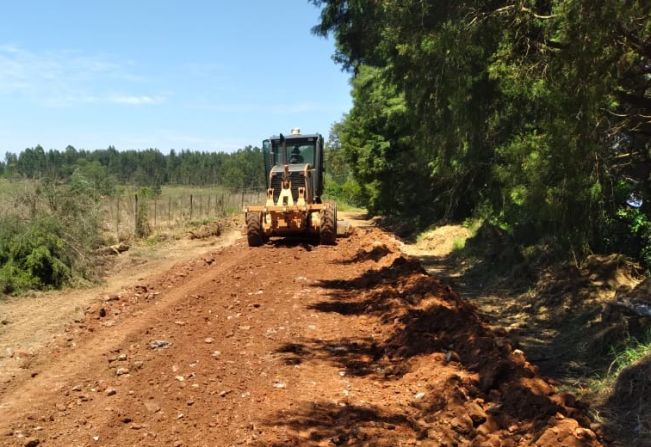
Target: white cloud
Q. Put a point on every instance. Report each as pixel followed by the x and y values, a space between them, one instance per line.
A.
pixel 274 109
pixel 136 100
pixel 64 78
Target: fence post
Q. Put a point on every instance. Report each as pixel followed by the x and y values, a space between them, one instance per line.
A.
pixel 191 205
pixel 155 213
pixel 135 214
pixel 169 211
pixel 117 219
pixel 208 206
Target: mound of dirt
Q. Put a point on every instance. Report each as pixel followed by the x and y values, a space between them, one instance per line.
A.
pixel 440 241
pixel 628 408
pixel 480 391
pixel 205 231
pixel 597 279
pixel 589 304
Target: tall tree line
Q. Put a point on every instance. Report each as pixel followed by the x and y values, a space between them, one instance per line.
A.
pixel 534 114
pixel 242 168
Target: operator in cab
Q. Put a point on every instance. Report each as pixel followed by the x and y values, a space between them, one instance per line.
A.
pixel 296 156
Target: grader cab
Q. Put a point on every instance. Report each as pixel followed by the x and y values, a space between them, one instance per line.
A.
pixel 293 167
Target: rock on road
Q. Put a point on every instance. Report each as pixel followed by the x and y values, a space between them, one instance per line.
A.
pixel 286 344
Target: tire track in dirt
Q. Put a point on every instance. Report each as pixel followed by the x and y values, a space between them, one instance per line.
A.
pixel 50 373
pixel 30 321
pixel 288 344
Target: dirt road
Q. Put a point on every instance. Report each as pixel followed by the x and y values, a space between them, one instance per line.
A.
pixel 288 344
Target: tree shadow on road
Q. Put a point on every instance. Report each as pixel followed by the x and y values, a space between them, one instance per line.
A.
pixel 358 357
pixel 313 424
pixel 306 242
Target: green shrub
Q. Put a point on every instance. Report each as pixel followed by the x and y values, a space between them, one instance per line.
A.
pixel 50 237
pixel 348 192
pixel 631 234
pixel 458 244
pixel 33 253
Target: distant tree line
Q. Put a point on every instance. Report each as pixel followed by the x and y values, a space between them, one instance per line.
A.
pixel 532 114
pixel 150 167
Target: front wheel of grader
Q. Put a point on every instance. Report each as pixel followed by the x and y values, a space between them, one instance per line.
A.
pixel 254 232
pixel 328 230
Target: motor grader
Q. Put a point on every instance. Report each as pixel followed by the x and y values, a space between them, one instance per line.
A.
pixel 294 169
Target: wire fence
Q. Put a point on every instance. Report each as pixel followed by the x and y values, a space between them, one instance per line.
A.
pixel 126 215
pixel 123 214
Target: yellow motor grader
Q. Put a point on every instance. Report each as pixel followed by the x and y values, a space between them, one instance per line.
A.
pixel 294 170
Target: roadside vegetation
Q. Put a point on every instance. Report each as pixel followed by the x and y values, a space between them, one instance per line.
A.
pixel 634 350
pixel 48 234
pixel 532 116
pixel 339 182
pixel 59 210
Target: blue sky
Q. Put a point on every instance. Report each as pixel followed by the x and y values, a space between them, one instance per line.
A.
pixel 207 75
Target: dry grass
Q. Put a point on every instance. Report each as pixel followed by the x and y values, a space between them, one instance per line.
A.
pixel 172 211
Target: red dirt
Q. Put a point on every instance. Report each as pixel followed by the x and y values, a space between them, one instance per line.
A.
pixel 287 344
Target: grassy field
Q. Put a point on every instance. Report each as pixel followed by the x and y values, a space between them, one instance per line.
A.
pixel 10 190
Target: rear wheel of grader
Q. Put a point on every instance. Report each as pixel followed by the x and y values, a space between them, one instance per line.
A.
pixel 328 231
pixel 254 232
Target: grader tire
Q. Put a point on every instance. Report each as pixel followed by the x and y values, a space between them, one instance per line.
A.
pixel 328 230
pixel 254 232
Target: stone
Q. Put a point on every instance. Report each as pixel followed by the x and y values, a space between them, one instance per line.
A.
pixel 152 406
pixel 111 392
pixel 208 340
pixel 32 442
pixel 159 344
pixel 121 371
